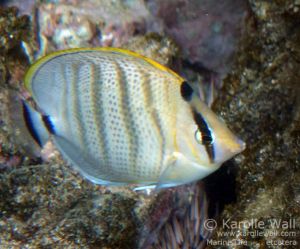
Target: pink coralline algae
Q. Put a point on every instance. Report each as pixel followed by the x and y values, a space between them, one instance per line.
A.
pixel 207 31
pixel 67 24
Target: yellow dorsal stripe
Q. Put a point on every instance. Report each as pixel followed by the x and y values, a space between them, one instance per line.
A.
pixel 35 66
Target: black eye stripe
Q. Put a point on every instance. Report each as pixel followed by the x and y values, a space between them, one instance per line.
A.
pixel 202 125
pixel 186 91
pixel 205 134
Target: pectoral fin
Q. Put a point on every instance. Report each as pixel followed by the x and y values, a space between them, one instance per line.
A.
pixel 180 171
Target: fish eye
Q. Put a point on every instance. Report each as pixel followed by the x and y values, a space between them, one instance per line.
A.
pixel 202 138
pixel 186 91
pixel 198 136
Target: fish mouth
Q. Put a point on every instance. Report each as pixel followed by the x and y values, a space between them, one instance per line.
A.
pixel 241 146
pixel 226 149
pixel 234 146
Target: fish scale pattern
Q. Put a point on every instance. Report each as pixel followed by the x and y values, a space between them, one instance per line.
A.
pixel 116 112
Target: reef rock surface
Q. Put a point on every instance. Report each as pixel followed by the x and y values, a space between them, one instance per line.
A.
pixel 50 205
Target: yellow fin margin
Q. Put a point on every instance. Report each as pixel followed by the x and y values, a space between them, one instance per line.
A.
pixel 30 73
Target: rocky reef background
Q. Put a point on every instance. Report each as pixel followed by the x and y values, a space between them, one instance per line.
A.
pixel 250 50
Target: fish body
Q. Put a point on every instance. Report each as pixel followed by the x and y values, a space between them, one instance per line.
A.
pixel 122 118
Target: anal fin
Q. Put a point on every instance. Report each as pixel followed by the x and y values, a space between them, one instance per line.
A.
pixel 81 161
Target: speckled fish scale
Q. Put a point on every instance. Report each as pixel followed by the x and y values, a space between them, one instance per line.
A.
pixel 116 112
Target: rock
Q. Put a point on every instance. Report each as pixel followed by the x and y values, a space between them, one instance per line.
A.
pixel 206 31
pixel 260 100
pixel 49 205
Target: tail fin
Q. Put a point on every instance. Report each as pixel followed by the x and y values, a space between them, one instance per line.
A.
pixel 17 125
pixel 35 124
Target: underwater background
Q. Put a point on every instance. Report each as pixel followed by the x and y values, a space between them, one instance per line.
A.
pixel 245 55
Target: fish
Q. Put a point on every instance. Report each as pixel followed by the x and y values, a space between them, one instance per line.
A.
pixel 120 118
